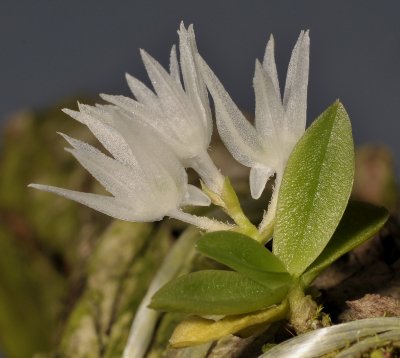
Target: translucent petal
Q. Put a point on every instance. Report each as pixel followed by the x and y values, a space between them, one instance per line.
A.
pixel 258 179
pixel 291 72
pixel 130 105
pixel 295 97
pixel 108 136
pixel 141 92
pixel 171 134
pixel 164 174
pixel 194 85
pixel 270 65
pixel 239 136
pixel 182 122
pixel 105 204
pixel 174 66
pixel 194 196
pixel 269 111
pixel 171 95
pixel 123 182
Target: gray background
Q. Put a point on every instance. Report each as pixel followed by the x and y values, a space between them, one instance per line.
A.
pixel 54 49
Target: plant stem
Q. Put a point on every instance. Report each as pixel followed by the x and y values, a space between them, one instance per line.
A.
pixel 229 202
pixel 201 222
pixel 208 172
pixel 304 314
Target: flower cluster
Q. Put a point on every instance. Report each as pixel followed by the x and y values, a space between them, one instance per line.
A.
pixel 153 138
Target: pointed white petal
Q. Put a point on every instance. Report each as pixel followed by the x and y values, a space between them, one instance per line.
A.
pixel 194 196
pixel 142 93
pixel 270 65
pixel 105 204
pixel 166 88
pixel 291 72
pixel 194 84
pixel 174 66
pixel 258 179
pixel 295 97
pixel 108 136
pixel 130 105
pixel 163 174
pixel 239 136
pixel 123 182
pixel 269 110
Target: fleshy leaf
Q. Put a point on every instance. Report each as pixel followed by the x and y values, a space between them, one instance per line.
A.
pixel 315 190
pixel 246 256
pixel 197 330
pixel 215 292
pixel 359 223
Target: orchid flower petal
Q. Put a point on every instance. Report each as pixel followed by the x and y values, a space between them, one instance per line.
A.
pixel 117 179
pixel 269 110
pixel 258 179
pixel 141 92
pixel 108 136
pixel 105 204
pixel 295 97
pixel 174 66
pixel 170 93
pixel 194 85
pixel 194 196
pixel 239 136
pixel 269 65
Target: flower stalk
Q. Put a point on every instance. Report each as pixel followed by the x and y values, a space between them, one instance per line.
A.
pixel 229 202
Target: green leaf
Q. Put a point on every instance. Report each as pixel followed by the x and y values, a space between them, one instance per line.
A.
pixel 315 189
pixel 360 222
pixel 246 256
pixel 215 292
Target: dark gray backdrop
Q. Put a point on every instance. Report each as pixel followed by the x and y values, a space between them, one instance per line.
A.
pixel 57 48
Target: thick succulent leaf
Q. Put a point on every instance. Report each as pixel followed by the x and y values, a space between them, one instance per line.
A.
pixel 315 190
pixel 215 292
pixel 246 256
pixel 360 222
pixel 197 330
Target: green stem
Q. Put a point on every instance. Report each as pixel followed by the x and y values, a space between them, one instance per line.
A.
pixel 229 202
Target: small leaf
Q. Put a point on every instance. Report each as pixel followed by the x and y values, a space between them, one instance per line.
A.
pixel 315 190
pixel 197 330
pixel 246 256
pixel 360 222
pixel 215 292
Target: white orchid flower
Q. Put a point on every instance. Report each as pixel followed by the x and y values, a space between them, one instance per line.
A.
pixel 279 124
pixel 181 116
pixel 146 180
